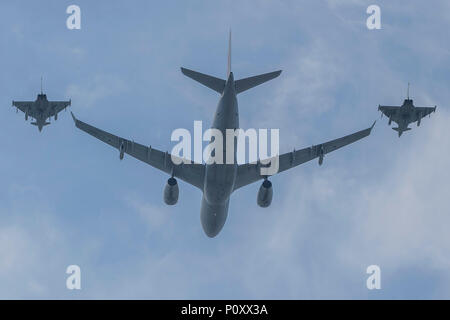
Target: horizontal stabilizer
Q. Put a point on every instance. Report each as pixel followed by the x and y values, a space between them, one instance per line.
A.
pixel 36 124
pixel 248 83
pixel 211 82
pixel 397 129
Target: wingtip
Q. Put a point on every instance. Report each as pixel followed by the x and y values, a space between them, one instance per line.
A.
pixel 373 125
pixel 73 117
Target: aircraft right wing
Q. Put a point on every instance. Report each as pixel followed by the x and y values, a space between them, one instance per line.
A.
pixel 191 173
pixel 423 111
pixel 388 111
pixel 56 106
pixel 250 172
pixel 24 106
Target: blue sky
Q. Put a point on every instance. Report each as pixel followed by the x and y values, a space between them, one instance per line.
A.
pixel 65 198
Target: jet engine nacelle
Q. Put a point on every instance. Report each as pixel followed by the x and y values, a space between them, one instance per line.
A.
pixel 390 121
pixel 26 116
pixel 171 192
pixel 56 116
pixel 418 121
pixel 265 194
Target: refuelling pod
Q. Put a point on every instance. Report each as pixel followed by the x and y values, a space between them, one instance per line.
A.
pixel 121 150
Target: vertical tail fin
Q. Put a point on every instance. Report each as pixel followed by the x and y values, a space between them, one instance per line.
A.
pixel 218 85
pixel 229 55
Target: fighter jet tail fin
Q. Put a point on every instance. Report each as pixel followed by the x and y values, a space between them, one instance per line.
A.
pixel 248 83
pixel 211 82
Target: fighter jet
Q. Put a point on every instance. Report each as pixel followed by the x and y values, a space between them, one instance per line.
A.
pixel 405 114
pixel 41 109
pixel 218 181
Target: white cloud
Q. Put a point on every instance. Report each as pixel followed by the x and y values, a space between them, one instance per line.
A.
pixel 95 89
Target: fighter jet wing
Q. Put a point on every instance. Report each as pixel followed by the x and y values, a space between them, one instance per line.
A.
pixel 388 111
pixel 191 173
pixel 251 172
pixel 421 112
pixel 56 106
pixel 24 106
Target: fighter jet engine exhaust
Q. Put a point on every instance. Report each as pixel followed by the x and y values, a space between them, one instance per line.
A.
pixel 265 194
pixel 171 192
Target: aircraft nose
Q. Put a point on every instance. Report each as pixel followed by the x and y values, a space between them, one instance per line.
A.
pixel 213 218
pixel 211 225
pixel 210 232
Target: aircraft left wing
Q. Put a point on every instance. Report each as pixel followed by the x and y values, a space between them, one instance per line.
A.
pixel 251 172
pixel 56 106
pixel 24 106
pixel 191 173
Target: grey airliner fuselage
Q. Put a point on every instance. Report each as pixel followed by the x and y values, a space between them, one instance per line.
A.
pixel 220 178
